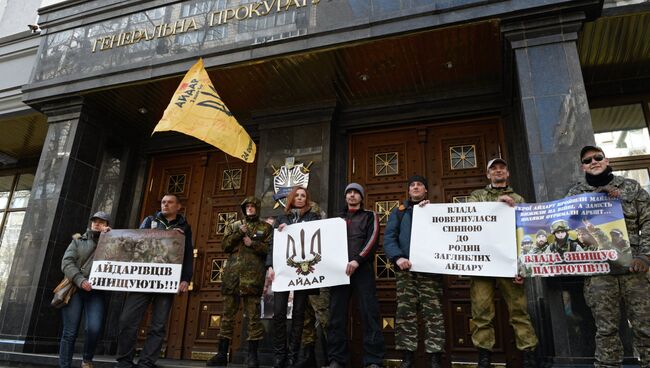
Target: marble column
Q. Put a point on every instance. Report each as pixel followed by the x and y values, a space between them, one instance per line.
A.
pixel 555 123
pixel 60 204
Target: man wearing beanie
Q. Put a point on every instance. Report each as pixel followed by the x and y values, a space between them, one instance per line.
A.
pixel 481 289
pixel 415 290
pixel 603 293
pixel 363 233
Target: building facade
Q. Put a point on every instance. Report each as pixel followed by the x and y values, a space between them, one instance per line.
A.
pixel 371 91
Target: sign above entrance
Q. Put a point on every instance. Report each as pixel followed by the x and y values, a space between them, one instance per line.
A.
pixel 288 176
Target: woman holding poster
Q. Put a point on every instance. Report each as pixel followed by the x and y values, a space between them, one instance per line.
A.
pixel 76 265
pixel 298 209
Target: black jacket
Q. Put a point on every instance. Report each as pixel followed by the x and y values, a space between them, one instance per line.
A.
pixel 158 221
pixel 363 233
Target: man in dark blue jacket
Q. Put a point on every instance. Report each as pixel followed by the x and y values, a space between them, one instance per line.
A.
pixel 363 232
pixel 415 290
pixel 136 303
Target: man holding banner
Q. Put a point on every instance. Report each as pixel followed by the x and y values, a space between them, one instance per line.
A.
pixel 482 288
pixel 415 290
pixel 136 303
pixel 603 293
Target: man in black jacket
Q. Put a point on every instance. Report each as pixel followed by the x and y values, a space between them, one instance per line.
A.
pixel 136 303
pixel 363 233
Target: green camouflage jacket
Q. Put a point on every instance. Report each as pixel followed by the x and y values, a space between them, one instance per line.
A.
pixel 489 194
pixel 245 270
pixel 636 210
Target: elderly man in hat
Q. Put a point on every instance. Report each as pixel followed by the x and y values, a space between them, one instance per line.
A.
pixel 416 291
pixel 363 234
pixel 482 288
pixel 604 293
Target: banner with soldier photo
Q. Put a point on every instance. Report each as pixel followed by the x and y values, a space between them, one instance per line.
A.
pixel 310 255
pixel 138 260
pixel 574 236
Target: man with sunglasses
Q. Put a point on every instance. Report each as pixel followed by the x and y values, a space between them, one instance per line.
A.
pixel 603 293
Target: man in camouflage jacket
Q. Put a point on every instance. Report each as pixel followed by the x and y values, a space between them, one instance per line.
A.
pixel 513 292
pixel 247 241
pixel 603 293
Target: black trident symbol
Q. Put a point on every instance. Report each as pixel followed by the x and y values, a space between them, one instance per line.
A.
pixel 306 266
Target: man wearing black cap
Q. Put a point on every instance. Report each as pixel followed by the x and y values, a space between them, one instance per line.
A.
pixel 513 292
pixel 363 232
pixel 415 290
pixel 603 293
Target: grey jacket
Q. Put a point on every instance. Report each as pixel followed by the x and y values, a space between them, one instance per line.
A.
pixel 81 247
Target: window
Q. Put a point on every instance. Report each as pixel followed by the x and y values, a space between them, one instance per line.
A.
pixel 15 190
pixel 622 132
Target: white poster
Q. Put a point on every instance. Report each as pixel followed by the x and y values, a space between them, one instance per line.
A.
pixel 310 255
pixel 472 239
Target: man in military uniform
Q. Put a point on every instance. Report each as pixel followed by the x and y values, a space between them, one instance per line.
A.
pixel 482 288
pixel 415 290
pixel 526 248
pixel 603 293
pixel 247 241
pixel 541 242
pixel 562 243
pixel 316 313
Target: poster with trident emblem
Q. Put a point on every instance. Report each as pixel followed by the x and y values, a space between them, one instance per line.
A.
pixel 310 255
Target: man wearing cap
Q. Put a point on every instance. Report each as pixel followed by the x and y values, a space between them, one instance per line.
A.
pixel 603 293
pixel 562 242
pixel 415 290
pixel 363 233
pixel 136 303
pixel 482 288
pixel 541 242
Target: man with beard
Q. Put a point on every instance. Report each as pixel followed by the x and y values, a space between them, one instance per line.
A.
pixel 247 241
pixel 541 242
pixel 603 293
pixel 482 289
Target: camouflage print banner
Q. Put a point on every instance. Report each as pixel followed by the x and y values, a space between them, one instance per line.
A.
pixel 138 260
pixel 579 235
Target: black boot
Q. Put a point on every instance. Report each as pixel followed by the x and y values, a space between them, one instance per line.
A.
pixel 408 360
pixel 307 357
pixel 484 358
pixel 435 360
pixel 221 359
pixel 530 360
pixel 252 361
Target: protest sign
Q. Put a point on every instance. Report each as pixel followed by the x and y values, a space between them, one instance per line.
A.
pixel 476 239
pixel 573 236
pixel 310 255
pixel 138 260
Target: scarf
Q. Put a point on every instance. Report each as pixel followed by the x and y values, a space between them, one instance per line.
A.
pixel 601 179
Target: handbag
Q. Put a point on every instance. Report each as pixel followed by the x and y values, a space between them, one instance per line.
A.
pixel 66 289
pixel 62 293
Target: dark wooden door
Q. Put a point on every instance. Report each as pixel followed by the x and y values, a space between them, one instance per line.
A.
pixel 227 182
pixel 453 158
pixel 183 175
pixel 211 187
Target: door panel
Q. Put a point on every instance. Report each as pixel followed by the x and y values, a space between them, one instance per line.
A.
pixel 453 158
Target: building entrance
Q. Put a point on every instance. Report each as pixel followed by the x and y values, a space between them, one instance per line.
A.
pixel 211 187
pixel 453 157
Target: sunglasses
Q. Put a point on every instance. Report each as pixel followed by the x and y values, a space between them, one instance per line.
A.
pixel 587 160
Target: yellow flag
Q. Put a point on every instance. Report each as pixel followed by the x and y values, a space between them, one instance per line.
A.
pixel 197 110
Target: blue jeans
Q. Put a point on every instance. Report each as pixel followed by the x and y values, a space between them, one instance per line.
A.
pixel 133 311
pixel 92 305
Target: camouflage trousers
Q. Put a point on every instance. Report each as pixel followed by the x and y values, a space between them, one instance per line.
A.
pixel 603 295
pixel 419 293
pixel 482 296
pixel 317 310
pixel 251 310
